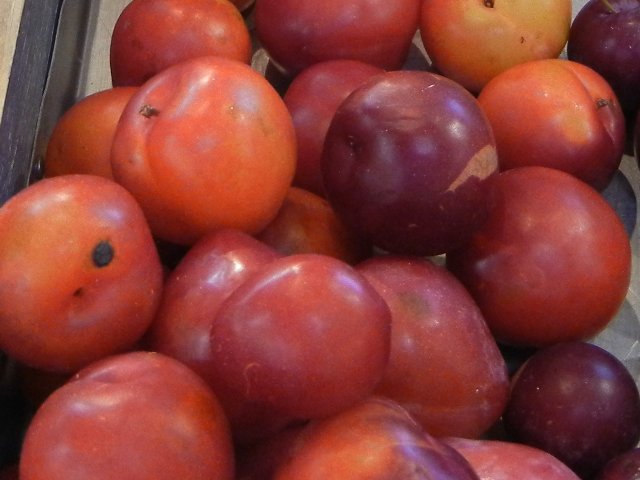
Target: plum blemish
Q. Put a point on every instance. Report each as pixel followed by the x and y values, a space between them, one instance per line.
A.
pixel 148 111
pixel 102 254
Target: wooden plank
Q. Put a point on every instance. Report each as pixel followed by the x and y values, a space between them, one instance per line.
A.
pixel 10 14
pixel 24 91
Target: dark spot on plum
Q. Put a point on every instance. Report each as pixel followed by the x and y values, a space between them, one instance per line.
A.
pixel 102 254
pixel 148 111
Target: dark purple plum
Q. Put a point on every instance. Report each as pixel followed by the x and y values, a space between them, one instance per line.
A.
pixel 605 35
pixel 625 466
pixel 407 160
pixel 576 401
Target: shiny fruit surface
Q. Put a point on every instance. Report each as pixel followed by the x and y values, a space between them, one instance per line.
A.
pixel 377 32
pixel 445 367
pixel 307 335
pixel 205 144
pixel 577 402
pixel 570 119
pixel 80 276
pixel 151 35
pixel 407 160
pixel 135 415
pixel 605 35
pixel 551 264
pixel 500 34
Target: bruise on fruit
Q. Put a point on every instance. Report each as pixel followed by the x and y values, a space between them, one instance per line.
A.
pixel 603 102
pixel 148 111
pixel 483 164
pixel 609 7
pixel 102 254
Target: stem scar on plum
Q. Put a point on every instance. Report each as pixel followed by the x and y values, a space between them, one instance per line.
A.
pixel 148 111
pixel 102 254
pixel 603 102
pixel 489 3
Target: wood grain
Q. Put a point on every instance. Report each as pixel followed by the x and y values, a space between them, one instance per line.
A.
pixel 10 14
pixel 25 86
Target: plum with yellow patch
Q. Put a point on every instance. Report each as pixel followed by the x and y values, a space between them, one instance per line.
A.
pixel 406 162
pixel 471 41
